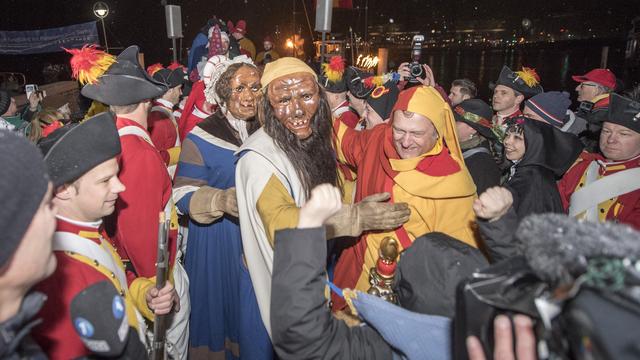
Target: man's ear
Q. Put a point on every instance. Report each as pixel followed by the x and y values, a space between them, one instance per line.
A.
pixel 65 192
pixel 519 99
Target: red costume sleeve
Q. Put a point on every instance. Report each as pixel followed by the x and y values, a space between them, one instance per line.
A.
pixel 350 119
pixel 188 123
pixel 569 182
pixel 565 189
pixel 56 334
pixel 350 144
pixel 148 187
pixel 631 215
pixel 163 133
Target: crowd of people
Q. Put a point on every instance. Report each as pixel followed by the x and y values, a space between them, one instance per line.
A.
pixel 318 213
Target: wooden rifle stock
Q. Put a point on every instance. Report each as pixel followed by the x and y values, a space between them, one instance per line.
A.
pixel 158 347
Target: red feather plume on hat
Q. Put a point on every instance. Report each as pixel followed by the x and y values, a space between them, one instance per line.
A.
pixel 89 63
pixel 152 69
pixel 176 65
pixel 334 69
pixel 377 80
pixel 368 82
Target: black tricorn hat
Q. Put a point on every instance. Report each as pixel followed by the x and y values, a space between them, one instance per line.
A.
pixel 332 87
pixel 624 111
pixel 383 98
pixel 74 149
pixel 171 78
pixel 125 82
pixel 333 75
pixel 177 77
pixel 354 78
pixel 477 114
pixel 525 81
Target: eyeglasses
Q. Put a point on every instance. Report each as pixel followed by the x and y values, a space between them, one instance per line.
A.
pixel 585 84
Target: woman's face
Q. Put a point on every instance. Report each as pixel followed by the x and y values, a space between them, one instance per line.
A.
pixel 514 147
pixel 245 89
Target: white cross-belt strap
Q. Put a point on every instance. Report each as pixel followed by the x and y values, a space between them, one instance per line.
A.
pixel 199 113
pixel 600 190
pixel 164 110
pixel 134 130
pixel 66 241
pixel 572 119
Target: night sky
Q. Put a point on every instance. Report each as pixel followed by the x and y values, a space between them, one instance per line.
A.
pixel 142 22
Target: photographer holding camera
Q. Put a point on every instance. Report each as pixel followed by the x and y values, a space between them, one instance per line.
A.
pixel 11 118
pixel 414 73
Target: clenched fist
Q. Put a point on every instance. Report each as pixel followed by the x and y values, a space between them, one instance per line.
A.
pixel 325 201
pixel 493 203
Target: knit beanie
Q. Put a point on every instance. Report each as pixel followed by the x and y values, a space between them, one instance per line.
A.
pixel 23 184
pixel 551 106
pixel 5 101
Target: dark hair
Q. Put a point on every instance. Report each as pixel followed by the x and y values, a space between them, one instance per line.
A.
pixel 313 158
pixel 467 87
pixel 514 127
pixel 123 109
pixel 223 88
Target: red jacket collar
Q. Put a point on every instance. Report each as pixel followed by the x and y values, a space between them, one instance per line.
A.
pixel 85 230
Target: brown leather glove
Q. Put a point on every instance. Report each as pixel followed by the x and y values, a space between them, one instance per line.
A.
pixel 372 213
pixel 227 201
pixel 208 204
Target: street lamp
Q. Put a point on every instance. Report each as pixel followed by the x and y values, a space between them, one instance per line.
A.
pixel 101 10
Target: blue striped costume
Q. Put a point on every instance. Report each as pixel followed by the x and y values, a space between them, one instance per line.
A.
pixel 225 321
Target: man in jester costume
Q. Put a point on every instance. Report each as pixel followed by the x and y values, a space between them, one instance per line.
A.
pixel 416 157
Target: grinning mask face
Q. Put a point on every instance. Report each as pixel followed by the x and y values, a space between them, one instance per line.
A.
pixel 245 89
pixel 295 99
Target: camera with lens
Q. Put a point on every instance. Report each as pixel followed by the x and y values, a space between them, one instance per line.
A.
pixel 415 68
pixel 267 59
pixel 592 320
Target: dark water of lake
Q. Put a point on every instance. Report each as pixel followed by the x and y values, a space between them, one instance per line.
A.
pixel 554 64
